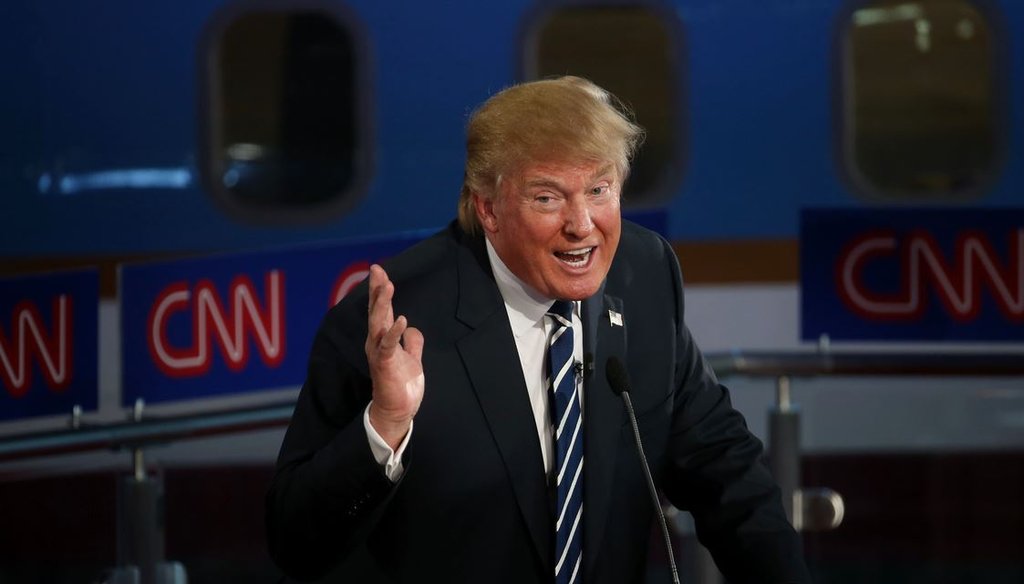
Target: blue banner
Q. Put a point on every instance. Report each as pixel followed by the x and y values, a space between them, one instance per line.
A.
pixel 912 274
pixel 234 323
pixel 49 333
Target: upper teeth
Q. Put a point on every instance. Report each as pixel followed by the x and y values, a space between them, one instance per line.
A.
pixel 578 251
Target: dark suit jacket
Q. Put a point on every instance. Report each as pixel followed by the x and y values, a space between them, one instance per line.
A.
pixel 473 504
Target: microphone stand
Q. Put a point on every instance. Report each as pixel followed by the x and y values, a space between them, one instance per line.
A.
pixel 650 486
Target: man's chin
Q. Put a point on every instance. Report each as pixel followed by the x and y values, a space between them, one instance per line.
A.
pixel 577 291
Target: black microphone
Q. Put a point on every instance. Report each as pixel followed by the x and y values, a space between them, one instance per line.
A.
pixel 618 378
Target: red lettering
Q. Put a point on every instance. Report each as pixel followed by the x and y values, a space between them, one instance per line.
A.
pixel 349 278
pixel 28 340
pixel 215 324
pixel 958 284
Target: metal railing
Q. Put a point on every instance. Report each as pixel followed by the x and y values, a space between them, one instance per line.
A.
pixel 812 510
pixel 892 363
pixel 142 431
pixel 822 509
pixel 782 366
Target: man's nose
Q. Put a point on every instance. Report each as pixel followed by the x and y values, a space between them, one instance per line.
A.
pixel 577 220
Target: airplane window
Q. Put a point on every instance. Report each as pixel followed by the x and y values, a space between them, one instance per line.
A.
pixel 285 137
pixel 639 67
pixel 919 99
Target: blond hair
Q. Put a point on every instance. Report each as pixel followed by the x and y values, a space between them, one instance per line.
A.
pixel 562 119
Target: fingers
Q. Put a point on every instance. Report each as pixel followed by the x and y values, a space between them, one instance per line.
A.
pixel 413 342
pixel 393 335
pixel 381 314
pixel 385 332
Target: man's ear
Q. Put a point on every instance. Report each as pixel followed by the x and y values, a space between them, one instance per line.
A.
pixel 485 212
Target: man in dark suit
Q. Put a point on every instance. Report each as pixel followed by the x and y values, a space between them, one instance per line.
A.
pixel 481 488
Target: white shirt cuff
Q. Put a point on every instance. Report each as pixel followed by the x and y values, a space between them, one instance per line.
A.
pixel 391 460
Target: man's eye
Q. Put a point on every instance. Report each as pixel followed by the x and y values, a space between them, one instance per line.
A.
pixel 599 190
pixel 543 199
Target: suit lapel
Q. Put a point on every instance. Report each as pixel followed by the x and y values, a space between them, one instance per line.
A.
pixel 603 418
pixel 491 359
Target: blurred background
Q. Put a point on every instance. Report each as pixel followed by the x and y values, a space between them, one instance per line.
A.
pixel 842 181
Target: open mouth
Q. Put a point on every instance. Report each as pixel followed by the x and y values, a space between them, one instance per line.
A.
pixel 575 258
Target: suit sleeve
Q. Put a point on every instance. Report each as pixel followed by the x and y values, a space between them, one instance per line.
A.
pixel 713 470
pixel 328 489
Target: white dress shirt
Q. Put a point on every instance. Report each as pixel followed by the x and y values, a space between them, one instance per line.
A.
pixel 526 309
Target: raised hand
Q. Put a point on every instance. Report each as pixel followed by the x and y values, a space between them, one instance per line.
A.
pixel 394 351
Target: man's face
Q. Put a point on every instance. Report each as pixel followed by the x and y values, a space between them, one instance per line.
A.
pixel 556 225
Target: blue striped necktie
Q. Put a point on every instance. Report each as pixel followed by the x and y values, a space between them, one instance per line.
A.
pixel 567 419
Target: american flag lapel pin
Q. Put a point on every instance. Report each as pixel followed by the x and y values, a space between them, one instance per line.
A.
pixel 615 318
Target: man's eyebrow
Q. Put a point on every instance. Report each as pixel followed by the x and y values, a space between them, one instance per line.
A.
pixel 604 170
pixel 543 181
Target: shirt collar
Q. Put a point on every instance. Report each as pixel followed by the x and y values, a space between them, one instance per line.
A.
pixel 526 307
